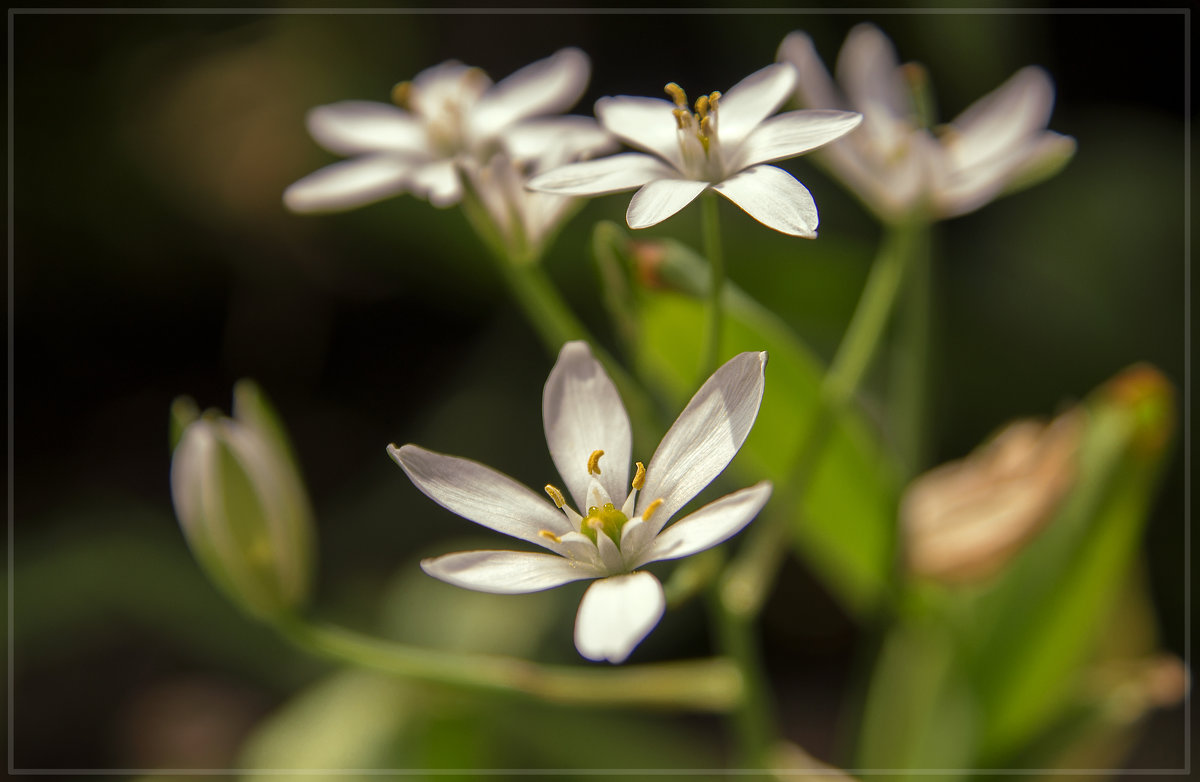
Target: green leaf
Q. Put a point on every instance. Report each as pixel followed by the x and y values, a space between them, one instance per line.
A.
pixel 844 522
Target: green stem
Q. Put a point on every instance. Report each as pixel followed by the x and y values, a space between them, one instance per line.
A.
pixel 750 575
pixel 909 412
pixel 716 265
pixel 710 685
pixel 551 317
pixel 753 722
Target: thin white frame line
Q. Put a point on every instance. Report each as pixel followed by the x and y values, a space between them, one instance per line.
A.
pixel 1185 12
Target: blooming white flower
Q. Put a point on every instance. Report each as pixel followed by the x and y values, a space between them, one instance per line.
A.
pixel 721 146
pixel 447 114
pixel 588 432
pixel 896 165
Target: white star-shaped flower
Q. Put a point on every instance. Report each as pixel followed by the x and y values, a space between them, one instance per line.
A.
pixel 621 530
pixel 448 114
pixel 895 165
pixel 723 145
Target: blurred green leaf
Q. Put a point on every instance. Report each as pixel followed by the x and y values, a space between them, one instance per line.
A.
pixel 1040 622
pixel 845 525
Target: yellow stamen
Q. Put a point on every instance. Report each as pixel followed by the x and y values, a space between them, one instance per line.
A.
pixel 594 462
pixel 646 514
pixel 548 534
pixel 713 97
pixel 677 94
pixel 555 495
pixel 402 94
pixel 639 479
pixel 683 118
pixel 702 106
pixel 705 134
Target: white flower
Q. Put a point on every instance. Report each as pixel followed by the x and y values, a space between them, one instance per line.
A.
pixel 722 146
pixel 588 432
pixel 896 165
pixel 447 114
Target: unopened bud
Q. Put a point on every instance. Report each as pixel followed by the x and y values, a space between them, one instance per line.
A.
pixel 242 505
pixel 964 520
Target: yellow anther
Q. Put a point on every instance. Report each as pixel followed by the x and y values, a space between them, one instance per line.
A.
pixel 713 97
pixel 556 495
pixel 594 462
pixel 683 118
pixel 402 94
pixel 639 478
pixel 705 133
pixel 702 106
pixel 677 94
pixel 649 511
pixel 548 534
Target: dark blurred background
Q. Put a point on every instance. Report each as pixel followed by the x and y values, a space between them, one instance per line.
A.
pixel 152 257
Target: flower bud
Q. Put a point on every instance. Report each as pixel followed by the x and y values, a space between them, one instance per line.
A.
pixel 241 503
pixel 964 520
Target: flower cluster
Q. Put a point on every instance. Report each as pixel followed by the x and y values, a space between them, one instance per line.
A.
pixel 618 530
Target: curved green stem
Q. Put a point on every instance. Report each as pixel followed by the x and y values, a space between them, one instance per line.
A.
pixel 711 685
pixel 908 389
pixel 716 265
pixel 753 721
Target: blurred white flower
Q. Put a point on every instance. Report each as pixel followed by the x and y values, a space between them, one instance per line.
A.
pixel 588 432
pixel 448 114
pixel 895 164
pixel 722 145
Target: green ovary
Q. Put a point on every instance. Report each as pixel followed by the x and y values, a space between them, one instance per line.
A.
pixel 606 519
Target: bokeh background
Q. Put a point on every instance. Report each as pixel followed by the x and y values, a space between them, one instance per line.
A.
pixel 152 257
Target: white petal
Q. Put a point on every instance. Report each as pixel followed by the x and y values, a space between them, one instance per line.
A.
pixel 1003 119
pixel 705 437
pixel 481 494
pixel 794 133
pixel 773 197
pixel 814 85
pixel 352 127
pixel 960 191
pixel 645 123
pixel 752 100
pixel 438 183
pixel 660 199
pixel 350 183
pixel 616 614
pixel 554 141
pixel 606 175
pixel 447 86
pixel 548 86
pixel 869 71
pixel 582 413
pixel 506 572
pixel 610 555
pixel 714 523
pixel 635 536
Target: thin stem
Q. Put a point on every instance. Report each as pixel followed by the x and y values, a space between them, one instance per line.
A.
pixel 753 722
pixel 910 367
pixel 710 685
pixel 750 575
pixel 716 265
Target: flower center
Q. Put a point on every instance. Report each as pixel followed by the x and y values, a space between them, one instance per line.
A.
pixel 698 132
pixel 606 519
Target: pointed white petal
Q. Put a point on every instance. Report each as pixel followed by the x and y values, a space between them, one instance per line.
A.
pixel 794 133
pixel 554 141
pixel 480 494
pixel 506 572
pixel 705 437
pixel 616 614
pixel 752 100
pixel 582 413
pixel 814 85
pixel 714 523
pixel 645 123
pixel 960 191
pixel 610 555
pixel 350 183
pixel 1003 119
pixel 351 127
pixel 660 199
pixel 869 70
pixel 548 86
pixel 606 175
pixel 438 183
pixel 773 197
